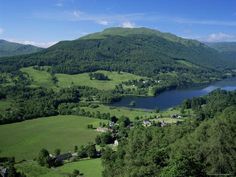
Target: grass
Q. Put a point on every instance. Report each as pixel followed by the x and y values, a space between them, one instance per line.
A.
pixel 44 79
pixel 39 78
pixel 115 78
pixel 25 139
pixel 32 169
pixel 121 111
pixel 89 168
pixel 132 113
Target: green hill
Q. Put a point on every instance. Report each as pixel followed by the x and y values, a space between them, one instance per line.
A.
pixel 226 49
pixel 10 48
pixel 140 51
pixel 223 46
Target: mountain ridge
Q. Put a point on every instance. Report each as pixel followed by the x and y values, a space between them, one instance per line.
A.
pixel 140 51
pixel 8 48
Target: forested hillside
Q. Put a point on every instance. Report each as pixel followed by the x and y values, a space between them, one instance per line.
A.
pixel 226 49
pixel 192 148
pixel 141 51
pixel 11 48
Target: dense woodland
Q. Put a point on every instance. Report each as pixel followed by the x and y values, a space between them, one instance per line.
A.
pixel 192 148
pixel 41 102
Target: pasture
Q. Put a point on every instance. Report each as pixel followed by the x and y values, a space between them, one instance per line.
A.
pixel 122 111
pixel 25 139
pixel 39 78
pixel 44 79
pixel 88 167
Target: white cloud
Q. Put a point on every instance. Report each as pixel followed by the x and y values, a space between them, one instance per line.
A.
pixel 1 31
pixel 219 37
pixel 77 14
pixel 35 43
pixel 103 22
pixel 128 24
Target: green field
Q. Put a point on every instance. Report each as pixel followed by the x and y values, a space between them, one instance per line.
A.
pixel 83 79
pixel 39 78
pixel 89 168
pixel 122 111
pixel 44 79
pixel 132 113
pixel 25 139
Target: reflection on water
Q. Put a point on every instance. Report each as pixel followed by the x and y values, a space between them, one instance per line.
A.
pixel 173 98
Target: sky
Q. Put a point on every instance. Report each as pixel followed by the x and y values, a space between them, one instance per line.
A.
pixel 45 22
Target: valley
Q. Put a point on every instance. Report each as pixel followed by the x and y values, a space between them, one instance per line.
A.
pixel 120 102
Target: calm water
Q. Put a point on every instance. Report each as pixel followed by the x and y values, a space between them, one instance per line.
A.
pixel 173 98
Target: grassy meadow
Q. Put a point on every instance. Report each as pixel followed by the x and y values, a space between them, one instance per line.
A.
pixel 44 79
pixel 39 78
pixel 89 168
pixel 83 80
pixel 121 111
pixel 132 113
pixel 25 139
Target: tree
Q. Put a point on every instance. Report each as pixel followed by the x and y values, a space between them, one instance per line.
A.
pixel 57 152
pixel 76 172
pixel 124 121
pixel 183 166
pixel 104 138
pixel 90 126
pixel 98 140
pixel 114 119
pixel 12 171
pixel 44 158
pixel 75 148
pixel 157 110
pixel 91 150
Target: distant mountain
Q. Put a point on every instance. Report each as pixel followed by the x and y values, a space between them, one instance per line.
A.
pixel 11 48
pixel 141 51
pixel 226 49
pixel 137 45
pixel 223 46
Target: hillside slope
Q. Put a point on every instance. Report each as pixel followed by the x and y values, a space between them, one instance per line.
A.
pixel 226 49
pixel 10 48
pixel 141 51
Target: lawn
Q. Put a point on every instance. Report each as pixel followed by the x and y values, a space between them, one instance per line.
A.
pixel 25 139
pixel 89 168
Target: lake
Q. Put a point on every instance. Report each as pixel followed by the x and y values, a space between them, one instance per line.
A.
pixel 172 98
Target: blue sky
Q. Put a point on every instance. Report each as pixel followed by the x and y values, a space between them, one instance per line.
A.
pixel 44 22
